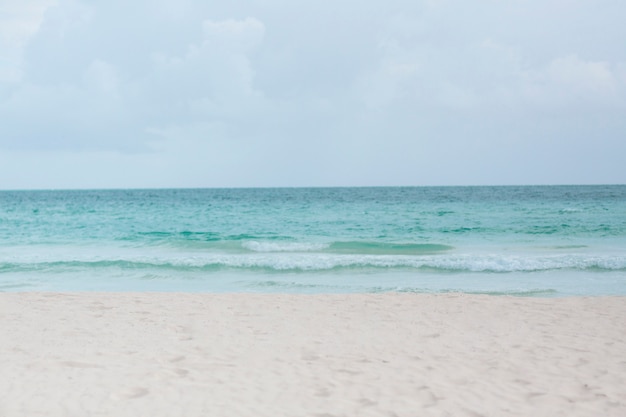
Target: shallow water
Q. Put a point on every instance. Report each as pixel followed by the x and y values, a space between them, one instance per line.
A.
pixel 527 240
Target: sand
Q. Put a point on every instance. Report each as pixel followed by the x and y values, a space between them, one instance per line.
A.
pixel 164 354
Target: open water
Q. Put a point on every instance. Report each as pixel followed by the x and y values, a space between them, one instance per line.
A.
pixel 518 240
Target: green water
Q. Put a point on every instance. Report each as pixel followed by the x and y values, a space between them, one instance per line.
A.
pixel 560 240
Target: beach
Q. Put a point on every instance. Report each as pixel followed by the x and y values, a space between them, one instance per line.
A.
pixel 183 354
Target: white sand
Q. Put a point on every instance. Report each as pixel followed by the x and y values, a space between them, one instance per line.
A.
pixel 324 355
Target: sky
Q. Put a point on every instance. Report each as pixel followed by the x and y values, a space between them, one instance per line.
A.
pixel 282 93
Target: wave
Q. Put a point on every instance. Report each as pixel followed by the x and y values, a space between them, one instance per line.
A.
pixel 387 248
pixel 277 262
pixel 536 292
pixel 304 286
pixel 273 246
pixel 348 247
pixel 211 242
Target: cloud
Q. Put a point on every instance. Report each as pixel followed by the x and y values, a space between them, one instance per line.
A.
pixel 571 81
pixel 101 78
pixel 18 22
pixel 82 101
pixel 357 93
pixel 212 75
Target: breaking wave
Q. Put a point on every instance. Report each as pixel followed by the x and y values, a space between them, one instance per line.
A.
pixel 278 261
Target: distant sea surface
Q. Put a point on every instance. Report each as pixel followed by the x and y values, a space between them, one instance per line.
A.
pixel 526 240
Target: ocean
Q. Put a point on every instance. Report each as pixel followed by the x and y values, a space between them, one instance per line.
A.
pixel 516 240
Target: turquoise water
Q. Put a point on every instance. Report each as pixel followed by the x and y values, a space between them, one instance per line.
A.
pixel 536 241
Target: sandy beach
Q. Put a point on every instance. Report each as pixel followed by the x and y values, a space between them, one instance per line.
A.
pixel 173 354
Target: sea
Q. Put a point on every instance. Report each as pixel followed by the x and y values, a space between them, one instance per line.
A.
pixel 538 241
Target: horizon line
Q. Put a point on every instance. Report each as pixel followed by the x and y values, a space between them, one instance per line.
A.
pixel 308 187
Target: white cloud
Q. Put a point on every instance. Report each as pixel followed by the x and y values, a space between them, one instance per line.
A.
pixel 234 35
pixel 19 21
pixel 102 109
pixel 101 78
pixel 391 78
pixel 569 82
pixel 282 93
pixel 589 76
pixel 216 67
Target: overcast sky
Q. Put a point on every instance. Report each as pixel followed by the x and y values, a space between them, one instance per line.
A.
pixel 195 93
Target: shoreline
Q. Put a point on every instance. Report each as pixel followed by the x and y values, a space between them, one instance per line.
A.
pixel 195 354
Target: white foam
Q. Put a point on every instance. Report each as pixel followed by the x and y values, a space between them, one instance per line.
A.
pixel 299 256
pixel 257 246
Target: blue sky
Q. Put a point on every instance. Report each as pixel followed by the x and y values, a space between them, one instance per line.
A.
pixel 192 93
